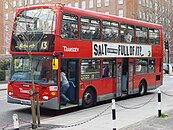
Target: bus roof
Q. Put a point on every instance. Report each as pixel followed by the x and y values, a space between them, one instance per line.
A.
pixel 89 13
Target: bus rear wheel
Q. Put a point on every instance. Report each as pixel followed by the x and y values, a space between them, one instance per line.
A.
pixel 89 99
pixel 142 88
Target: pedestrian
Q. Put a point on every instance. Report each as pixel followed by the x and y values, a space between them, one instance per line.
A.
pixel 105 72
pixel 64 87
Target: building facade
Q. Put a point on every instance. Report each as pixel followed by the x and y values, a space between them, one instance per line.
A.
pixel 147 10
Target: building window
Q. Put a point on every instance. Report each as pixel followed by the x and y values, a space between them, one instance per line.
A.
pixel 6 28
pixel 14 14
pixel 26 2
pixel 151 4
pixel 143 2
pixel 83 4
pixel 6 5
pixel 76 4
pixel 98 3
pixel 49 0
pixel 31 2
pixel 120 1
pixel 6 16
pixel 69 4
pixel 106 2
pixel 42 1
pixel 140 15
pixel 147 3
pixel 7 38
pixel 20 3
pixel 14 3
pixel 121 13
pixel 91 3
pixel 140 2
pixel 143 15
pixel 37 1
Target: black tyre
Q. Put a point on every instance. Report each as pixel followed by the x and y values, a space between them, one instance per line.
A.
pixel 89 99
pixel 142 88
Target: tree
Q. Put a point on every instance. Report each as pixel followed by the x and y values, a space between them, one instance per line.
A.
pixel 160 12
pixel 25 29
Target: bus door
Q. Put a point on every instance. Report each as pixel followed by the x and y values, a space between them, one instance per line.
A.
pixel 131 76
pixel 72 73
pixel 119 77
pixel 125 76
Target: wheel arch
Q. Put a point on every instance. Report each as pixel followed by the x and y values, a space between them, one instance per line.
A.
pixel 94 91
pixel 144 82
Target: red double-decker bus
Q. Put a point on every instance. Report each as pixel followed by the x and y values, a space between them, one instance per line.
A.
pixel 104 56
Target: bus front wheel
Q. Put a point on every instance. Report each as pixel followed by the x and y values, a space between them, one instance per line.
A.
pixel 142 88
pixel 89 98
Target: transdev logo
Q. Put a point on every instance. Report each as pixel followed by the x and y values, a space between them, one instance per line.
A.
pixel 53 88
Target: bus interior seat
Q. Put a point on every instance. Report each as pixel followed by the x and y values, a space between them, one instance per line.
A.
pixel 71 92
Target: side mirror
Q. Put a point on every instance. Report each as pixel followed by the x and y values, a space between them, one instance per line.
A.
pixel 55 64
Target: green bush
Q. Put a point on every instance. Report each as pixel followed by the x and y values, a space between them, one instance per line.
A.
pixel 4 64
pixel 2 75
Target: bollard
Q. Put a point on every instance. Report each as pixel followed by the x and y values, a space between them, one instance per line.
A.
pixel 159 104
pixel 113 115
pixel 15 122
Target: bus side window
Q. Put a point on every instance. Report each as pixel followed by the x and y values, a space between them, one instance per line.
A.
pixel 66 32
pixel 90 28
pixel 69 29
pixel 154 36
pixel 110 31
pixel 86 32
pixel 141 35
pixel 127 33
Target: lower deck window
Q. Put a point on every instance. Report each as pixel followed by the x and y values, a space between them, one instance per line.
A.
pixel 90 69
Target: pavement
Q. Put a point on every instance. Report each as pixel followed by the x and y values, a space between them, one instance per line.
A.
pixel 57 123
pixel 3 85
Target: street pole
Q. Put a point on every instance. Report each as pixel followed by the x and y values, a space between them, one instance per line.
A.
pixel 168 57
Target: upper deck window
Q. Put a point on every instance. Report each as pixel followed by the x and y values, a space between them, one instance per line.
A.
pixel 33 30
pixel 69 29
pixel 127 33
pixel 154 36
pixel 110 31
pixel 141 35
pixel 90 28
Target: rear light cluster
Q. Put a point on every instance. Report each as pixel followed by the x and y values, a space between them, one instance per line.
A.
pixel 52 92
